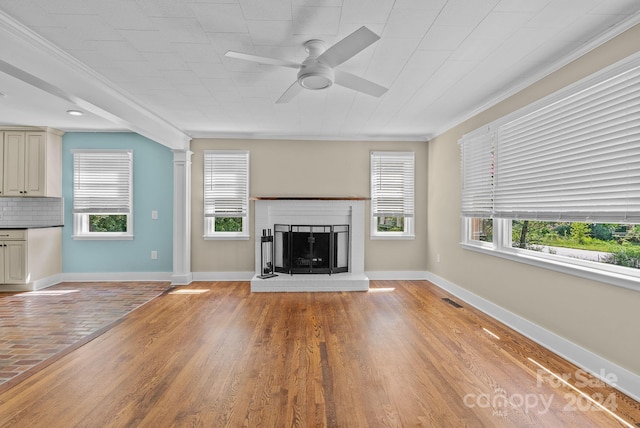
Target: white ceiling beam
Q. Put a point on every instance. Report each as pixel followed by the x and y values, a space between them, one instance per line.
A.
pixel 30 58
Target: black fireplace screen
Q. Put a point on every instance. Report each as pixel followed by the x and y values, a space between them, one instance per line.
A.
pixel 311 249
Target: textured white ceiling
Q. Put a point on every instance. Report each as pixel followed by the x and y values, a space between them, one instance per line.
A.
pixel 163 60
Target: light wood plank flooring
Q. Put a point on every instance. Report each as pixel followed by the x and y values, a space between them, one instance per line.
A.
pixel 395 356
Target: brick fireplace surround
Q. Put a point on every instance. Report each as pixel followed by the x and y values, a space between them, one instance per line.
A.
pixel 313 211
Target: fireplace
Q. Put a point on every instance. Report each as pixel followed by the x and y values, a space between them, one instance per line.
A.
pixel 327 253
pixel 319 249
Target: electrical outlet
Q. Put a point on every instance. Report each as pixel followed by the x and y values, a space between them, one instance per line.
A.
pixel 438 257
pixel 154 255
pixel 154 215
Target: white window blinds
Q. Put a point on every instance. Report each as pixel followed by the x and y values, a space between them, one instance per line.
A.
pixel 392 184
pixel 102 182
pixel 226 183
pixel 577 159
pixel 574 156
pixel 477 173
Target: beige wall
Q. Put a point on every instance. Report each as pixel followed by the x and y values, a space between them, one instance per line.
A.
pixel 308 168
pixel 599 317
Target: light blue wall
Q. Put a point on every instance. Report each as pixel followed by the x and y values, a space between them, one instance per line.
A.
pixel 152 190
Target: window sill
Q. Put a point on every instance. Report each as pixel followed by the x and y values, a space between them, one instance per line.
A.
pixel 593 273
pixel 393 237
pixel 226 237
pixel 102 238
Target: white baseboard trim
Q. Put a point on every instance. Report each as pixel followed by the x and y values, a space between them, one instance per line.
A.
pixel 114 276
pixel 223 276
pixel 52 280
pixel 36 285
pixel 16 288
pixel 627 381
pixel 181 279
pixel 47 282
pixel 247 276
pixel 389 275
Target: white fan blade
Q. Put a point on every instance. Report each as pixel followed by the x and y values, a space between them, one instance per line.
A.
pixel 291 92
pixel 359 84
pixel 348 47
pixel 262 59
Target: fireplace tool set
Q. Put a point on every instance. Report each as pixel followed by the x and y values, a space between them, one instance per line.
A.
pixel 266 255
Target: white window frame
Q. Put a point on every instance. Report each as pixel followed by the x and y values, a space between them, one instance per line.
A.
pixel 81 220
pixel 467 239
pixel 409 220
pixel 501 247
pixel 209 221
pixel 502 224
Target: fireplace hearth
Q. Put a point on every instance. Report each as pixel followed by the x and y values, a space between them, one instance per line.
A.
pixel 316 249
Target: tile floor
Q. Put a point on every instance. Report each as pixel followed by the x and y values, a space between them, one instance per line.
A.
pixel 37 325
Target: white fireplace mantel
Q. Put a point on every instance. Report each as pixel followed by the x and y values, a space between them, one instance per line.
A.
pixel 313 211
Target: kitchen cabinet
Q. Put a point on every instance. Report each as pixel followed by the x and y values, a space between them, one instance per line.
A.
pixel 31 162
pixel 13 256
pixel 29 258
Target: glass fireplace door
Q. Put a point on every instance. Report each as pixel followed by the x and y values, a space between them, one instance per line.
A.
pixel 311 249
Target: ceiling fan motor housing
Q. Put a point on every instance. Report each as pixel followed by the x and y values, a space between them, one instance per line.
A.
pixel 315 75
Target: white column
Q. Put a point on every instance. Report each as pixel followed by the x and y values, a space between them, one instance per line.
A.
pixel 181 218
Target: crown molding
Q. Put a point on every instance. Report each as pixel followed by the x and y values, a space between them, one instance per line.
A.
pixel 307 137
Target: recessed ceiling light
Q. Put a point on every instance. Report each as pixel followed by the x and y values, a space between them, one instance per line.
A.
pixel 75 112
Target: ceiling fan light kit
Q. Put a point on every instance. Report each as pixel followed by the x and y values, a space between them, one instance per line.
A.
pixel 317 70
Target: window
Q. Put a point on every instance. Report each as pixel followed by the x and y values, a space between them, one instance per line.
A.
pixel 392 195
pixel 102 183
pixel 556 183
pixel 481 229
pixel 226 194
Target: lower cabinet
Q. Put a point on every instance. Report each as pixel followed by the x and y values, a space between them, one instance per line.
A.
pixel 13 256
pixel 14 269
pixel 29 255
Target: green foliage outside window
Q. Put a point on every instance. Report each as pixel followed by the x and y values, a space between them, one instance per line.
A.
pixel 621 242
pixel 580 232
pixel 390 224
pixel 228 224
pixel 108 223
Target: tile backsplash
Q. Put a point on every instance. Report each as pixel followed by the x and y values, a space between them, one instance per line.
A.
pixel 31 212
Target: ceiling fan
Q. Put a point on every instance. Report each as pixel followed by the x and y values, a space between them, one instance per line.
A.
pixel 317 70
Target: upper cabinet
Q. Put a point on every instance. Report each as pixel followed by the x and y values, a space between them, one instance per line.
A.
pixel 31 162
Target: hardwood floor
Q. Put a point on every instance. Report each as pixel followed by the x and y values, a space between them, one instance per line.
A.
pixel 396 356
